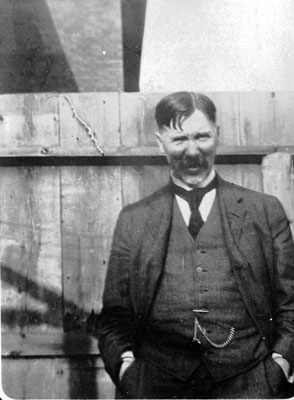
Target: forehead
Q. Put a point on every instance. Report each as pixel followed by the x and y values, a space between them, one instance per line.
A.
pixel 197 122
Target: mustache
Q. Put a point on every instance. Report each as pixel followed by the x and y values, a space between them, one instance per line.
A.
pixel 192 162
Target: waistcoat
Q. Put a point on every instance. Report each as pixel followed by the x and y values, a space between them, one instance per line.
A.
pixel 198 276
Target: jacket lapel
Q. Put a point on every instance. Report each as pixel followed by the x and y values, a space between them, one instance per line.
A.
pixel 152 260
pixel 233 212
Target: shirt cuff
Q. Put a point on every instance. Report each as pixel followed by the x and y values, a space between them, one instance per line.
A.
pixel 285 365
pixel 127 355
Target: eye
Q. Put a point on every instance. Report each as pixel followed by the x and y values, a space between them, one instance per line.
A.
pixel 203 136
pixel 179 139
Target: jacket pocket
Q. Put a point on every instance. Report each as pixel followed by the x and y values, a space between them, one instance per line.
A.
pixel 129 381
pixel 276 378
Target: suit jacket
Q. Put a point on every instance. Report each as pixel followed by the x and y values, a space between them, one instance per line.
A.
pixel 261 253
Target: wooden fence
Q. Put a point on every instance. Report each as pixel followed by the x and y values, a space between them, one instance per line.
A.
pixel 59 201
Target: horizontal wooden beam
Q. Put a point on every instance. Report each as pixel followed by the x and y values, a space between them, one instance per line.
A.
pixel 74 343
pixel 57 156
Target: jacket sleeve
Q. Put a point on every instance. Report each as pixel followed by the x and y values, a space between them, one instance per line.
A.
pixel 283 280
pixel 116 323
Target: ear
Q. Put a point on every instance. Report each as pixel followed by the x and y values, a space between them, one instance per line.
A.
pixel 159 142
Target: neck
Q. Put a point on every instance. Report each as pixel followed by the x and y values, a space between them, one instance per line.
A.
pixel 202 184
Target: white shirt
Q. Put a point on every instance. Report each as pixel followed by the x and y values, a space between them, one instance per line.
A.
pixel 206 203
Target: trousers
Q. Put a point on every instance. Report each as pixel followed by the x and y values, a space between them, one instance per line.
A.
pixel 144 380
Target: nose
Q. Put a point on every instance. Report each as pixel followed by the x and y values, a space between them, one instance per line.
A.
pixel 191 148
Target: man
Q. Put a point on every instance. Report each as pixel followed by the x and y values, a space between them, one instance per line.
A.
pixel 199 293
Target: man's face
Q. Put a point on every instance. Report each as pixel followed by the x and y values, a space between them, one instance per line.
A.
pixel 190 151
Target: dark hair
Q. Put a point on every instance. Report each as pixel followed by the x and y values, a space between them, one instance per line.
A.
pixel 172 110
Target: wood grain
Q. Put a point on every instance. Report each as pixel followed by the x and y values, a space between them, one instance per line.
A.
pixel 277 170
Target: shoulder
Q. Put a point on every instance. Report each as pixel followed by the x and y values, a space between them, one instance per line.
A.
pixel 246 193
pixel 253 200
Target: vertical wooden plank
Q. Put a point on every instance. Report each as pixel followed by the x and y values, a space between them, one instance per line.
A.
pixel 30 249
pixel 56 378
pixel 227 106
pixel 232 173
pixel 100 111
pixel 284 118
pixel 153 178
pixel 252 177
pixel 278 180
pixel 131 118
pixel 29 119
pixel 13 378
pixel 257 118
pixel 249 176
pixel 48 273
pixel 91 201
pixel 131 178
pixel 36 378
pixel 149 101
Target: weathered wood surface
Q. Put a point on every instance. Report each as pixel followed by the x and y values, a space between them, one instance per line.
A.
pixel 123 152
pixel 59 378
pixel 278 180
pixel 125 121
pixel 57 222
pixel 30 250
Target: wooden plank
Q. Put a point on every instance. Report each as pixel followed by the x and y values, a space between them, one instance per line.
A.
pixel 148 103
pixel 249 176
pixel 30 250
pixel 130 183
pixel 131 121
pixel 91 201
pixel 121 151
pixel 284 126
pixel 120 160
pixel 56 378
pixel 227 106
pixel 153 178
pixel 100 111
pixel 252 177
pixel 278 180
pixel 257 118
pixel 48 344
pixel 28 120
pixel 230 173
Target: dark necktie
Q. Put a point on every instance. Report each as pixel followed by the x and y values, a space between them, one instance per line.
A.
pixel 194 198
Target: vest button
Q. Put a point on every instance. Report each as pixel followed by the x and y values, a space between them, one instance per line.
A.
pixel 199 269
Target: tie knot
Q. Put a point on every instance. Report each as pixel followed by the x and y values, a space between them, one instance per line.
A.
pixel 195 196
